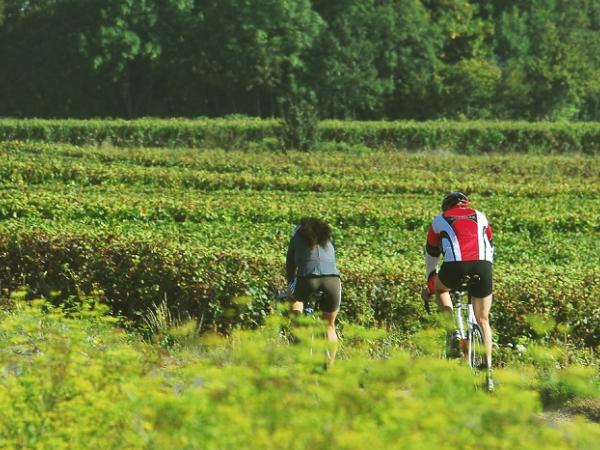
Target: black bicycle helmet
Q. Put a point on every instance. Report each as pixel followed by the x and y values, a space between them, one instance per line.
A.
pixel 453 198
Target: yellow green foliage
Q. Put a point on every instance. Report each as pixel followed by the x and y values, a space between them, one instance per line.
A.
pixel 73 379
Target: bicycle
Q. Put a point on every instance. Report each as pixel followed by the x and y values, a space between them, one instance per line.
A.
pixel 309 321
pixel 310 306
pixel 470 341
pixel 466 340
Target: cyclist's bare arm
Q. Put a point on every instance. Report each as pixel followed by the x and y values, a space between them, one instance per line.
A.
pixel 431 260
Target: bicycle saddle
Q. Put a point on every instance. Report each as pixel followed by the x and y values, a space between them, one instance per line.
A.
pixel 467 281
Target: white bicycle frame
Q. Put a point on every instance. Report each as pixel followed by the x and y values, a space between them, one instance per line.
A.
pixel 465 335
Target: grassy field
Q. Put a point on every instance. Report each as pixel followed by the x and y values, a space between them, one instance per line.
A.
pixel 202 227
pixel 185 243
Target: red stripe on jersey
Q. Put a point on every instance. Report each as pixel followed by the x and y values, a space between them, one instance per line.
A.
pixel 466 231
pixel 433 239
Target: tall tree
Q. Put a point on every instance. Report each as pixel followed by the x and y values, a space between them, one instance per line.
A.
pixel 253 50
pixel 465 82
pixel 123 45
pixel 349 68
pixel 43 73
pixel 548 58
pixel 416 43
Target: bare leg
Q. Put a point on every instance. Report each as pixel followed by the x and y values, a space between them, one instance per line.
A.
pixel 481 308
pixel 442 295
pixel 329 318
pixel 297 307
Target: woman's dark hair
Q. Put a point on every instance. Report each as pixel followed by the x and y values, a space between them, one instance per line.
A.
pixel 315 231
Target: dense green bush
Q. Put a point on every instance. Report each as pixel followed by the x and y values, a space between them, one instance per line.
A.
pixel 206 283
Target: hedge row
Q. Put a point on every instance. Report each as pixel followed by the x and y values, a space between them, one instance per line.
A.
pixel 374 173
pixel 223 133
pixel 469 137
pixel 462 137
pixel 229 289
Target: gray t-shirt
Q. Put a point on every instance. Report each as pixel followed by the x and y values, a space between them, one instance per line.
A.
pixel 305 261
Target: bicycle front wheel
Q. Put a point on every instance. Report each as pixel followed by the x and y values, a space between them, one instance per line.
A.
pixel 477 357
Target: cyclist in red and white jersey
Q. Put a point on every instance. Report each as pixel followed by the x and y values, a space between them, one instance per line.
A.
pixel 463 236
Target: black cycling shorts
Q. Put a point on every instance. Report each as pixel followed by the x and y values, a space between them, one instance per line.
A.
pixel 330 285
pixel 452 274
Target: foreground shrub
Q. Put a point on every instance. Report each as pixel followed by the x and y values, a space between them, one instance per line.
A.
pixel 71 379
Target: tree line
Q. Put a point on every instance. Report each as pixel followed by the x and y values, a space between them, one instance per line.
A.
pixel 347 59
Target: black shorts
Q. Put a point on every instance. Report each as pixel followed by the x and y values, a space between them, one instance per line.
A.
pixel 330 285
pixel 451 274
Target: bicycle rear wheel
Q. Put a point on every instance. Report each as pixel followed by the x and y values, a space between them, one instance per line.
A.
pixel 477 357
